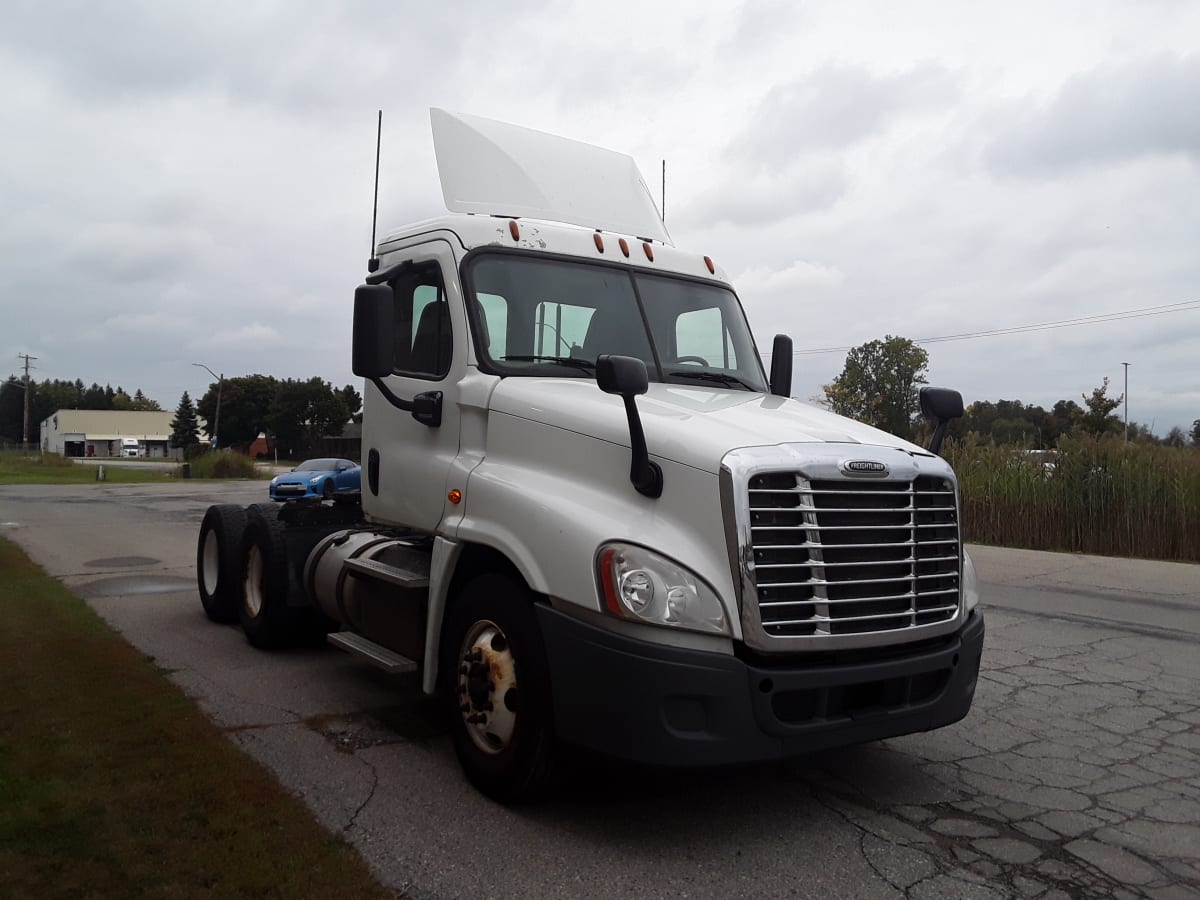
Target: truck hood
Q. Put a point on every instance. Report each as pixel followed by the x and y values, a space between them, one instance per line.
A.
pixel 694 426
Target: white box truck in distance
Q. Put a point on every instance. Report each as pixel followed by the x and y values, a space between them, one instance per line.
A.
pixel 588 517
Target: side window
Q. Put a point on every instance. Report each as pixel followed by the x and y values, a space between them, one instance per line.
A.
pixel 560 328
pixel 424 342
pixel 701 335
pixel 495 323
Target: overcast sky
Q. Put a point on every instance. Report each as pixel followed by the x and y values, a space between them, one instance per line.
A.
pixel 192 182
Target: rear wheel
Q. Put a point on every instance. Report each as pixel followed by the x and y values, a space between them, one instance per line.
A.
pixel 219 561
pixel 267 619
pixel 501 713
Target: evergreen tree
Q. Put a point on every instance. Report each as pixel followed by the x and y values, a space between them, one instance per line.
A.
pixel 185 432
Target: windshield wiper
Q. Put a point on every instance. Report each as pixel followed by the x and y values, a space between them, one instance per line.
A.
pixel 719 377
pixel 572 361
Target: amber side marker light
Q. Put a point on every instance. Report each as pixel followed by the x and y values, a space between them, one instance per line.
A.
pixel 514 229
pixel 649 252
pixel 455 496
pixel 624 245
pixel 712 270
pixel 599 242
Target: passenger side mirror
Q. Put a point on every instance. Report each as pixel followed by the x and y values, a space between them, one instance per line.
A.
pixel 626 376
pixel 374 327
pixel 939 406
pixel 781 366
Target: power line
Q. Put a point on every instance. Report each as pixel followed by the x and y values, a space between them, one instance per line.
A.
pixel 1182 306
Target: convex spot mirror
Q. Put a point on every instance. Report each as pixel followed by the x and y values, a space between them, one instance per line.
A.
pixel 623 375
pixel 374 326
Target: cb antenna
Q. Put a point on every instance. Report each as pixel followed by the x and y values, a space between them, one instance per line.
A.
pixel 373 262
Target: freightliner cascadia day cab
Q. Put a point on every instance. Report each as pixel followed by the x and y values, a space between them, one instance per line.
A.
pixel 588 517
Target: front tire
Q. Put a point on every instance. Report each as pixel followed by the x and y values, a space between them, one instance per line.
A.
pixel 219 561
pixel 499 689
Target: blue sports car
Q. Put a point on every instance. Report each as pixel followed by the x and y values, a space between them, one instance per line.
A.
pixel 320 478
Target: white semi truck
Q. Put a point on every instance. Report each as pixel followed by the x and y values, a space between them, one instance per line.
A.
pixel 587 515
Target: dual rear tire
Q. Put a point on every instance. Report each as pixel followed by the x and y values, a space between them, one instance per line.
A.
pixel 242 571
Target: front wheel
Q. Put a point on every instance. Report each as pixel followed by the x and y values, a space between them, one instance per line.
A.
pixel 501 713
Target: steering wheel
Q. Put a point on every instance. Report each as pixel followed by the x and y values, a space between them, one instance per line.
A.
pixel 690 359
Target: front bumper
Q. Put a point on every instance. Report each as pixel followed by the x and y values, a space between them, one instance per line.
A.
pixel 661 705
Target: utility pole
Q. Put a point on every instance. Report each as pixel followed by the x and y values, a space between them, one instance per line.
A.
pixel 216 429
pixel 1126 398
pixel 25 428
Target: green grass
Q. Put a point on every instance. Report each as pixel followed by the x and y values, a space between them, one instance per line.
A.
pixel 1103 497
pixel 49 468
pixel 112 783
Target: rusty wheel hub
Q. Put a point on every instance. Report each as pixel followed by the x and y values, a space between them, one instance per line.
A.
pixel 487 687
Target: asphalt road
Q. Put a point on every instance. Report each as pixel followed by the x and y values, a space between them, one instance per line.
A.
pixel 1077 773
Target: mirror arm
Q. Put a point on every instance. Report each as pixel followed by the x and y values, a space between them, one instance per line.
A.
pixel 645 474
pixel 939 434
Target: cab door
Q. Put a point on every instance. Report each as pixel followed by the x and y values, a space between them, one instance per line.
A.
pixel 406 463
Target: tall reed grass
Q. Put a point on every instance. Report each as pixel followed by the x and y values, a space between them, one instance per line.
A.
pixel 1098 496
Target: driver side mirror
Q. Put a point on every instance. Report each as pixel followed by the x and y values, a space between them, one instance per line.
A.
pixel 374 327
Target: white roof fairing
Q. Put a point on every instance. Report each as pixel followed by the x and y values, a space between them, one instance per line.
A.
pixel 493 168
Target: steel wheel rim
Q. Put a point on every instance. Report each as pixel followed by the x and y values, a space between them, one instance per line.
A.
pixel 487 687
pixel 254 579
pixel 210 563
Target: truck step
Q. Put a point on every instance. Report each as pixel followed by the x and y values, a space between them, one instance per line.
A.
pixel 369 568
pixel 376 654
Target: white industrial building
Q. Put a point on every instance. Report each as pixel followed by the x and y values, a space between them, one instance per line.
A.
pixel 109 433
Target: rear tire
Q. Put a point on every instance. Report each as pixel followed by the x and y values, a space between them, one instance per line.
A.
pixel 267 619
pixel 219 561
pixel 495 666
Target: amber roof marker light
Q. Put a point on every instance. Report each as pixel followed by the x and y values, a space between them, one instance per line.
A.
pixel 514 229
pixel 599 241
pixel 712 270
pixel 455 496
pixel 649 252
pixel 624 245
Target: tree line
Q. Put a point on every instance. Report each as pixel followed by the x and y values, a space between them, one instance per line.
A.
pixel 294 413
pixel 48 396
pixel 881 381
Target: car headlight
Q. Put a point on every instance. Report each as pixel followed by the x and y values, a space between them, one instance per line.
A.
pixel 316 480
pixel 275 480
pixel 970 583
pixel 641 585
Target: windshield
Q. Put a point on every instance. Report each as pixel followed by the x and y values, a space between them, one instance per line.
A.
pixel 318 465
pixel 553 317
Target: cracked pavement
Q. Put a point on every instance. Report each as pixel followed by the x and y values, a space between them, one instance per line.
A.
pixel 1077 773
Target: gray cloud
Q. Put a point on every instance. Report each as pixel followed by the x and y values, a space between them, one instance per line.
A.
pixel 1110 114
pixel 836 106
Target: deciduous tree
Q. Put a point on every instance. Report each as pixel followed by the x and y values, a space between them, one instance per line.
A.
pixel 880 384
pixel 1098 418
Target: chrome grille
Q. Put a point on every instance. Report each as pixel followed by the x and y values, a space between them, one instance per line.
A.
pixel 842 557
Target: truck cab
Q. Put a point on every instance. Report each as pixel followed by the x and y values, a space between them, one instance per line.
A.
pixel 590 517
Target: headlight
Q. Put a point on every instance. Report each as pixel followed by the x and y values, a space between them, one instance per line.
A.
pixel 970 584
pixel 275 480
pixel 316 480
pixel 645 587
